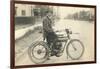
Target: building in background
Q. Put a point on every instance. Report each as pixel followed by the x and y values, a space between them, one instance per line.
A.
pixel 24 14
pixel 23 10
pixel 31 14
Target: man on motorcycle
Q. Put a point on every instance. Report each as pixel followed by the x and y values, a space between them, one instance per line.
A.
pixel 48 32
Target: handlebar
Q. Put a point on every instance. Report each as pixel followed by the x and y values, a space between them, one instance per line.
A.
pixel 68 31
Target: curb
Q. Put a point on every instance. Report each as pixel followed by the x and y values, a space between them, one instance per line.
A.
pixel 20 33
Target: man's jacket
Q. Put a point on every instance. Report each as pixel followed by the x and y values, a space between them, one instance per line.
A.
pixel 47 26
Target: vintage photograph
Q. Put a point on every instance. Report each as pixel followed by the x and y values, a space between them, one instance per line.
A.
pixel 50 34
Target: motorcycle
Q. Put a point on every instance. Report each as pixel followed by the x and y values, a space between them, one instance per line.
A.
pixel 39 51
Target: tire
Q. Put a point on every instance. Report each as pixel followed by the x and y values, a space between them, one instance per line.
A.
pixel 33 57
pixel 73 53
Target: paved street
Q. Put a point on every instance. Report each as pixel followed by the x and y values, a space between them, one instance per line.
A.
pixel 86 30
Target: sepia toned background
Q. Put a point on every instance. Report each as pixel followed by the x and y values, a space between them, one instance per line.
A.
pixel 29 18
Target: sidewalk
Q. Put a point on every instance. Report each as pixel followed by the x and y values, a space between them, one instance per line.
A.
pixel 21 32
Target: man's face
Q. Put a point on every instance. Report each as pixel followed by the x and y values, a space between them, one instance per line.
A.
pixel 50 15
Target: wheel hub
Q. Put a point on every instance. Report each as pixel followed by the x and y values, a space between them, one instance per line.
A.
pixel 39 51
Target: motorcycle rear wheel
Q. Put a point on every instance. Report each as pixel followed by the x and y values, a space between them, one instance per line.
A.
pixel 38 52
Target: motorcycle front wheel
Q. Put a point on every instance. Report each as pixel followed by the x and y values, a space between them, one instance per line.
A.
pixel 75 49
